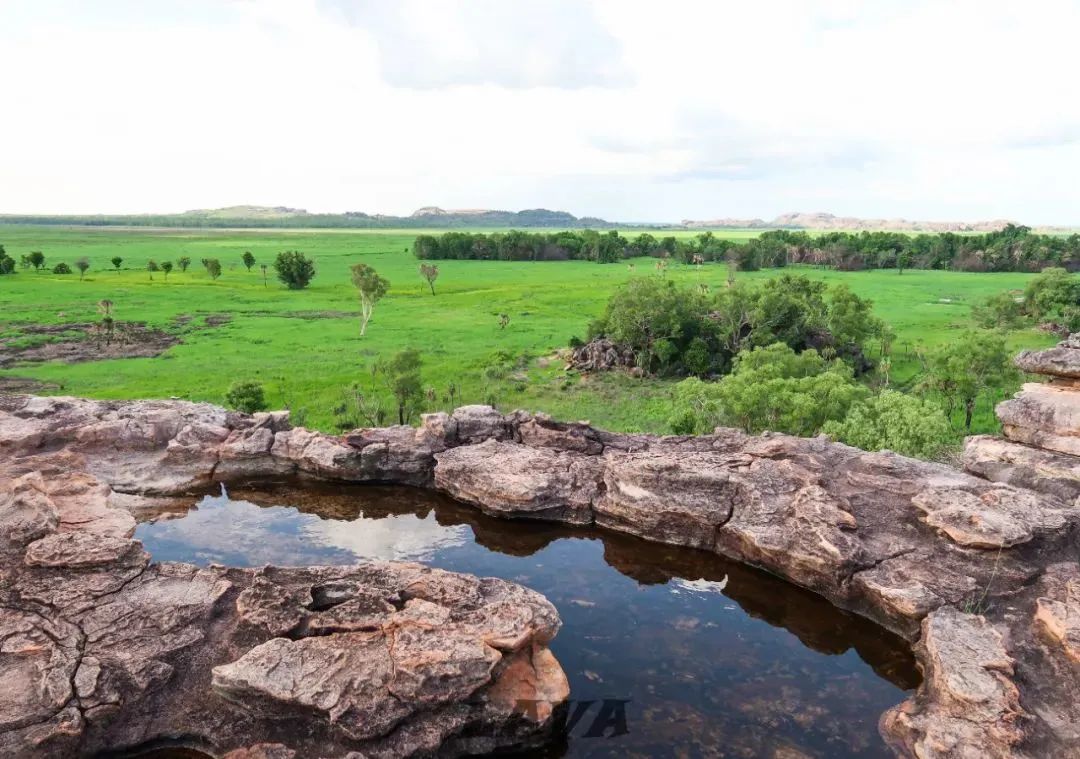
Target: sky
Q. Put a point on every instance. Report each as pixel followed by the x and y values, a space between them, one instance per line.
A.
pixel 624 109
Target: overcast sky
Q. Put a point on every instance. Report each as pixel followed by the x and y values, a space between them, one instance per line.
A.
pixel 633 111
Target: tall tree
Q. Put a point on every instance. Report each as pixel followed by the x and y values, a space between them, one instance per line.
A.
pixel 372 288
pixel 430 272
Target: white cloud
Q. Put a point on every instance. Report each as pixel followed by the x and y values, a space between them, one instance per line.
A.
pixel 617 108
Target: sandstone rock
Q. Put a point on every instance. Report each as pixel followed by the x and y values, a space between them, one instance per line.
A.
pixel 395 659
pixel 1060 361
pixel 510 479
pixel 1055 474
pixel 602 354
pixel 1058 613
pixel 1045 416
pixel 969 705
pixel 991 519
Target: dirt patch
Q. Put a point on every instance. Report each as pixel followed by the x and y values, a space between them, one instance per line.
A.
pixel 181 319
pixel 25 385
pixel 216 320
pixel 84 341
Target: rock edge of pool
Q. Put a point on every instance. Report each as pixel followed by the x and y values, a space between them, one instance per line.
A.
pixel 102 649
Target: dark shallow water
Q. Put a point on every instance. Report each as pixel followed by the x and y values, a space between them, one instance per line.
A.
pixel 713 658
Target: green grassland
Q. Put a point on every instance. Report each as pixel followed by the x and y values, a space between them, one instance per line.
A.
pixel 305 346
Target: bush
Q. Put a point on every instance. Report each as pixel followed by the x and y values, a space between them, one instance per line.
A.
pixel 61 268
pixel 1000 311
pixel 772 388
pixel 294 269
pixel 897 422
pixel 246 396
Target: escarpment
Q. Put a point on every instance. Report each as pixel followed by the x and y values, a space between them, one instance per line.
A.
pixel 978 569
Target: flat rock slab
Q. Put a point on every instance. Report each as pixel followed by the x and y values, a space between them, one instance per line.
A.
pixel 1045 416
pixel 1063 360
pixel 1056 474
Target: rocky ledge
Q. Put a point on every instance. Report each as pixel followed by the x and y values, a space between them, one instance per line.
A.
pixel 981 576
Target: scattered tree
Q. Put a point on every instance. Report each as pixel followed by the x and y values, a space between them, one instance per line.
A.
pixel 248 259
pixel 246 396
pixel 1000 311
pixel 263 267
pixel 294 269
pixel 401 373
pixel 61 268
pixel 183 262
pixel 152 266
pixel 7 263
pixel 966 368
pixel 372 288
pixel 213 267
pixel 430 272
pixel 897 422
pixel 82 264
pixel 116 261
pixel 167 266
pixel 107 326
pixel 36 259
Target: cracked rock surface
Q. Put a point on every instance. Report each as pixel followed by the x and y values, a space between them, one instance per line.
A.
pixel 976 573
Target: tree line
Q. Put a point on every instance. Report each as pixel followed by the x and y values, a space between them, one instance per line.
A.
pixel 1013 248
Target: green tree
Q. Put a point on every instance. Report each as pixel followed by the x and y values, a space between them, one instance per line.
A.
pixel 183 262
pixel 116 261
pixel 248 259
pixel 36 259
pixel 246 396
pixel 401 373
pixel 430 272
pixel 771 388
pixel 897 422
pixel 152 266
pixel 61 268
pixel 1048 294
pixel 999 311
pixel 851 319
pixel 213 267
pixel 966 368
pixel 167 267
pixel 82 264
pixel 371 287
pixel 294 269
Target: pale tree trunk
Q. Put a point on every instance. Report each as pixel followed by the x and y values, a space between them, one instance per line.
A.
pixel 365 315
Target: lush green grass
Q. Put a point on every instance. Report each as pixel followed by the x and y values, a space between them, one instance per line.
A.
pixel 305 351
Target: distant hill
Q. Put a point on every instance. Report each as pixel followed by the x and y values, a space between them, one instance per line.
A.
pixel 433 217
pixel 848 223
pixel 429 217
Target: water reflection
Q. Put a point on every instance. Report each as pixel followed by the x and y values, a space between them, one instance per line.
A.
pixel 717 659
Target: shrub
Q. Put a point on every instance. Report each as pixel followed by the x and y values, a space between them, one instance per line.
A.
pixel 213 267
pixel 1000 311
pixel 897 422
pixel 116 261
pixel 61 268
pixel 246 396
pixel 294 269
pixel 771 388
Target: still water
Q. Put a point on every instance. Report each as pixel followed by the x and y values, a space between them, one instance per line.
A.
pixel 711 658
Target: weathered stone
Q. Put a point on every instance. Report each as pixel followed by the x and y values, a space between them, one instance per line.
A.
pixel 1058 613
pixel 435 656
pixel 1063 360
pixel 969 706
pixel 1045 416
pixel 1055 474
pixel 510 479
pixel 992 519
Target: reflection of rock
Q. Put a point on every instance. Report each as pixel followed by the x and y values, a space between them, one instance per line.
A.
pixel 903 542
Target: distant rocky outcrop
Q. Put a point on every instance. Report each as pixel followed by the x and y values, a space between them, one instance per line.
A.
pixel 830 221
pixel 109 648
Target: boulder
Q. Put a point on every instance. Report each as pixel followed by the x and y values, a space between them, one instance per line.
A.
pixel 1063 360
pixel 1044 416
